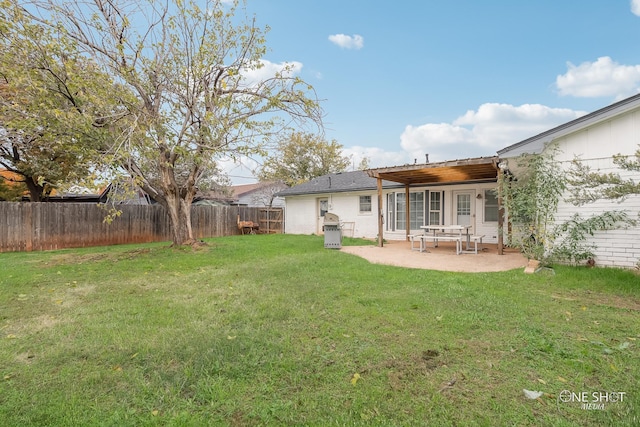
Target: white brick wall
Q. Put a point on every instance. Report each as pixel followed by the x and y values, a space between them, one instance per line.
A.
pixel 595 147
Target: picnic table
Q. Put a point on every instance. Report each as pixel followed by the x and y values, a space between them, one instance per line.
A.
pixel 447 233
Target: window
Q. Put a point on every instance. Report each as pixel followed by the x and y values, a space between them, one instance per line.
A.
pixel 416 210
pixel 391 213
pixel 435 208
pixel 365 204
pixel 490 206
pixel 323 205
pixel 401 212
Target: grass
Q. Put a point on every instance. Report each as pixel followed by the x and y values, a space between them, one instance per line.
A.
pixel 272 329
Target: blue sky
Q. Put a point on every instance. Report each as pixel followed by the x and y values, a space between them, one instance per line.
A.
pixel 454 79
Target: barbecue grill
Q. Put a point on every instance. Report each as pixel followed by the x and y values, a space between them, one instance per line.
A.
pixel 332 231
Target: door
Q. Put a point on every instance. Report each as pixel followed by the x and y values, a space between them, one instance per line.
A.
pixel 464 209
pixel 323 208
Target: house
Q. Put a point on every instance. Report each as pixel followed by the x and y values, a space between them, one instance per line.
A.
pixel 350 195
pixel 454 192
pixel 464 191
pixel 594 139
pixel 260 194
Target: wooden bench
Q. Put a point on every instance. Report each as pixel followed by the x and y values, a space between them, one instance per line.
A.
pixel 419 238
pixel 444 238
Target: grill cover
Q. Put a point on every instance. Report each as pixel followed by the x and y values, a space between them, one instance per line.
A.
pixel 331 219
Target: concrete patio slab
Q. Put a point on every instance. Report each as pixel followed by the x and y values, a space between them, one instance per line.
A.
pixel 443 258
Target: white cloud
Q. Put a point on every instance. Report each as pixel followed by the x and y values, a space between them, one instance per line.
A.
pixel 377 157
pixel 604 77
pixel 635 7
pixel 240 170
pixel 482 132
pixel 269 70
pixel 434 139
pixel 347 42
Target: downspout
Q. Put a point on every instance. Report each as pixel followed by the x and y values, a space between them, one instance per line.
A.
pixel 500 225
pixel 380 218
pixel 500 177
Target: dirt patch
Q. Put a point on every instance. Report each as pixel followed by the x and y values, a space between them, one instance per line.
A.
pixel 26 358
pixel 31 325
pixel 424 362
pixel 593 298
pixel 44 321
pixel 69 258
pixel 65 259
pixel 442 258
pixel 401 372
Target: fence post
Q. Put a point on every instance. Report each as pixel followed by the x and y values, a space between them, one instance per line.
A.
pixel 28 226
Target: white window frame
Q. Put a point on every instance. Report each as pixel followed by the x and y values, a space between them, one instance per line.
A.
pixel 390 221
pixel 417 216
pixel 439 211
pixel 361 204
pixel 485 205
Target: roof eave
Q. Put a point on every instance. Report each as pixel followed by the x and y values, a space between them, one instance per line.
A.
pixel 544 138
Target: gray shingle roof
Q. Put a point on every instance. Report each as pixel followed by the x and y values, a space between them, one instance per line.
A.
pixel 337 183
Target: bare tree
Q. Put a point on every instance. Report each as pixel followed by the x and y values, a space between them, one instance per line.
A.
pixel 266 194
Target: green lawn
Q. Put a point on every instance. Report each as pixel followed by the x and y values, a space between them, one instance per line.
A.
pixel 275 330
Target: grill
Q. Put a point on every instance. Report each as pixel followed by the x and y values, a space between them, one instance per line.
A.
pixel 332 231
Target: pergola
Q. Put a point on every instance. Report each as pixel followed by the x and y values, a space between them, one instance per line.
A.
pixel 480 169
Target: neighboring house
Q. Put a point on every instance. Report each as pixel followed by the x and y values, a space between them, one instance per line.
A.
pixel 260 194
pixel 594 139
pixel 455 192
pixel 109 193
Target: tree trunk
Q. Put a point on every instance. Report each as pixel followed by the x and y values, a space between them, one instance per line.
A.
pixel 180 215
pixel 36 191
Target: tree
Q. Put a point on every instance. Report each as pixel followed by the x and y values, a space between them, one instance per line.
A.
pixel 201 85
pixel 587 186
pixel 531 199
pixel 51 101
pixel 364 164
pixel 266 194
pixel 11 190
pixel 301 157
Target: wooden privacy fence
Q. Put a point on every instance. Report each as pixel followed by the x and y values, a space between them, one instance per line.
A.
pixel 45 226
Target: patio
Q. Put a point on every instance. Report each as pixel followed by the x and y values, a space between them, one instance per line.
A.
pixel 443 258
